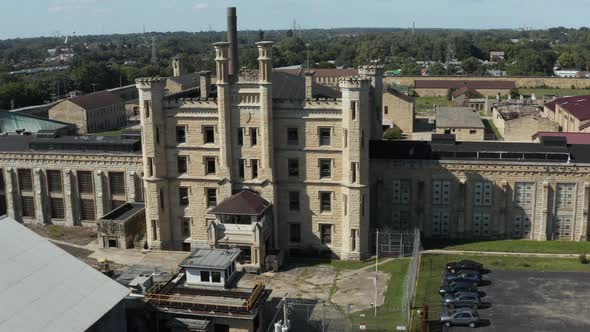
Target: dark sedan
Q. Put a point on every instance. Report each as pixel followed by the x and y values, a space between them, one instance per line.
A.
pixel 455 267
pixel 473 277
pixel 459 286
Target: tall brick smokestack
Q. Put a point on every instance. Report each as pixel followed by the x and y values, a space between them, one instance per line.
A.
pixel 232 38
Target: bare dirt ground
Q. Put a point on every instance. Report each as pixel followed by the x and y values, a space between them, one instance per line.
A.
pixel 78 235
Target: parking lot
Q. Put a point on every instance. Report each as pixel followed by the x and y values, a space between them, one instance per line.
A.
pixel 534 301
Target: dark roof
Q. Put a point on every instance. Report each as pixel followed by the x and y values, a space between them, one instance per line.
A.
pixel 572 138
pixel 578 106
pixel 246 203
pixel 96 100
pixel 455 84
pixel 185 80
pixel 291 87
pixel 322 72
pixel 68 144
pixel 519 152
pixel 400 95
pixel 466 90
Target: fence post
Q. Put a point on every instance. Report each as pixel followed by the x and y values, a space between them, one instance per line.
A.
pixel 323 317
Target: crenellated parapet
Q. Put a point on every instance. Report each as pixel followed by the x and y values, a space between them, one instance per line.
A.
pixel 150 83
pixel 354 83
pixel 371 70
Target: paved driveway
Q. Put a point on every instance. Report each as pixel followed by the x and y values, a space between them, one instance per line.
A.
pixel 535 301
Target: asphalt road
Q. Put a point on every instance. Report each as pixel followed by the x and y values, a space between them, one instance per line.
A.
pixel 534 301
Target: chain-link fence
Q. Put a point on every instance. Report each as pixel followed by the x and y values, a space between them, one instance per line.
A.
pixel 412 275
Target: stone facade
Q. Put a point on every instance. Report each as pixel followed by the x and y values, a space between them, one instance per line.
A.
pixel 483 199
pixel 522 128
pixel 521 82
pixel 45 187
pixel 398 110
pixel 307 157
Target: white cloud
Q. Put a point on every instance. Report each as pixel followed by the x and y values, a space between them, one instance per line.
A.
pixel 200 6
pixel 60 6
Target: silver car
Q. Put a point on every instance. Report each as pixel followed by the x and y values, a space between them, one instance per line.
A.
pixel 462 299
pixel 461 316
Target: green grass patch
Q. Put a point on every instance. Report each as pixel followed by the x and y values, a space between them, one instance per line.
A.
pixel 335 263
pixel 527 246
pixel 56 231
pixel 389 315
pixel 560 92
pixel 112 133
pixel 426 104
pixel 432 269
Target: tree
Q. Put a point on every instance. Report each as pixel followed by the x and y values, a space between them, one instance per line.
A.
pixel 437 69
pixel 471 65
pixel 392 133
pixel 567 59
pixel 411 68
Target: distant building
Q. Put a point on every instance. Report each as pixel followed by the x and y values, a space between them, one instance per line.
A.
pixel 566 73
pixel 571 113
pixel 441 88
pixel 93 112
pixel 461 96
pixel 496 56
pixel 521 122
pixel 13 122
pixel 571 138
pixel 124 226
pixel 398 110
pixel 463 122
pixel 46 289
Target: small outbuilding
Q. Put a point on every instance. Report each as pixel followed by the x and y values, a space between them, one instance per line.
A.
pixel 463 122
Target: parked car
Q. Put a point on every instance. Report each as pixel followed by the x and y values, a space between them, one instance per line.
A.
pixel 469 276
pixel 462 299
pixel 458 286
pixel 466 264
pixel 460 316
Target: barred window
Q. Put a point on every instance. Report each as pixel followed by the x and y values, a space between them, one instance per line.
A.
pixel 294 201
pixel 85 183
pixel 117 183
pixel 401 192
pixel 325 168
pixel 565 195
pixel 325 202
pixel 185 225
pixel 441 192
pixel 28 205
pixel 183 196
pixel 87 209
pixel 211 197
pixel 57 208
pixel 293 167
pixel 483 193
pixel 25 180
pixel 326 233
pixel 54 181
pixel 295 233
pixel 523 194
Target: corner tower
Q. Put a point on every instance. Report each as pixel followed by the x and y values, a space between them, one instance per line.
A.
pixel 374 73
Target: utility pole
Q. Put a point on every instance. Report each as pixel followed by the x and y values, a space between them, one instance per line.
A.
pixel 376 267
pixel 93 87
pixel 307 47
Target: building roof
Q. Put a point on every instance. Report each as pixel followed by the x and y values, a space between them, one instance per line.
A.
pixel 43 288
pixel 186 80
pixel 458 117
pixel 244 203
pixel 10 122
pixel 321 72
pixel 578 106
pixel 400 95
pixel 514 111
pixel 466 90
pixel 96 100
pixel 292 87
pixel 571 138
pixel 472 84
pixel 211 258
pixel 68 144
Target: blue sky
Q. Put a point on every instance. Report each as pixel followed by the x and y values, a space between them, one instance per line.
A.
pixel 27 18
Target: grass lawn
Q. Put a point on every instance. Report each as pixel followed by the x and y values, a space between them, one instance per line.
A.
pixel 561 92
pixel 431 271
pixel 425 104
pixel 545 247
pixel 336 263
pixel 114 133
pixel 389 315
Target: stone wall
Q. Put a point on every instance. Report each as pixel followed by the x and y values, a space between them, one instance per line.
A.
pixel 400 113
pixel 521 82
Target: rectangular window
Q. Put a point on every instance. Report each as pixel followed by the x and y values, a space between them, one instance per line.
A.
pixel 401 192
pixel 472 131
pixel 216 276
pixel 181 164
pixel 25 180
pixel 146 108
pixel 240 136
pixel 185 226
pixel 292 136
pixel 210 166
pixel 180 134
pixel 363 205
pixel 293 165
pixel 326 233
pixel 345 204
pixel 295 233
pixel 154 230
pixel 57 208
pixel 117 183
pixel 150 166
pixel 353 109
pixel 157 135
pixel 85 183
pixel 385 109
pixel 161 199
pixel 254 165
pixel 483 193
pixel 353 167
pixel 294 201
pixel 241 168
pixel 211 197
pixel 54 181
pixel 482 224
pixel 325 168
pixel 183 196
pixel 441 192
pixel 205 276
pixel 523 194
pixel 28 206
pixel 87 209
pixel 565 195
pixel 325 136
pixel 209 135
pixel 345 138
pixel 353 235
pixel 253 136
pixel 563 227
pixel 325 202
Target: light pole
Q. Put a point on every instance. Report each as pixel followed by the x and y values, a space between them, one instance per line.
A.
pixel 376 267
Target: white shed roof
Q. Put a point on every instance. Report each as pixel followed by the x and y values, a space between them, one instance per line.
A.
pixel 43 288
